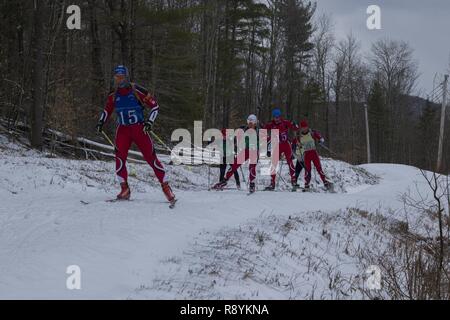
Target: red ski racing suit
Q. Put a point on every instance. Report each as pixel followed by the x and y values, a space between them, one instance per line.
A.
pixel 250 152
pixel 308 143
pixel 284 144
pixel 128 103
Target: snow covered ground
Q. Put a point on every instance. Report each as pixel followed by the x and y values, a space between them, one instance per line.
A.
pixel 213 245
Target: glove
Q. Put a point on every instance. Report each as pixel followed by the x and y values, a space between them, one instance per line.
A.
pixel 322 141
pixel 148 127
pixel 99 126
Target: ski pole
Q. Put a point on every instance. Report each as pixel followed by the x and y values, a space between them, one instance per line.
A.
pixel 284 181
pixel 247 184
pixel 110 141
pixel 280 173
pixel 328 149
pixel 331 151
pixel 163 144
pixel 160 141
pixel 243 176
pixel 209 174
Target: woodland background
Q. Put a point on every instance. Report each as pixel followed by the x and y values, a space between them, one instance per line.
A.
pixel 215 61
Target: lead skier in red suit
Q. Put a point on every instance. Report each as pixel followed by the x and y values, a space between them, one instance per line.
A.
pixel 285 147
pixel 128 101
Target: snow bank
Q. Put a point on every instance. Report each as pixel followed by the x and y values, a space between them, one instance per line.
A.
pixel 47 171
pixel 311 255
pixel 212 245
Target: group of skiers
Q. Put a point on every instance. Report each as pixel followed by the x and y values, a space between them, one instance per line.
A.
pixel 303 146
pixel 128 100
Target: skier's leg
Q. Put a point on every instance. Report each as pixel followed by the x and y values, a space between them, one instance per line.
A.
pixel 233 169
pixel 236 177
pixel 318 165
pixel 223 168
pixel 251 166
pixel 298 169
pixel 145 145
pixel 302 166
pixel 252 177
pixel 252 173
pixel 272 180
pixel 273 167
pixel 307 168
pixel 287 149
pixel 252 157
pixel 123 144
pixel 299 166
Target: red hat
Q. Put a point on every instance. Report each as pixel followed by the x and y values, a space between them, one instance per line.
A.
pixel 304 124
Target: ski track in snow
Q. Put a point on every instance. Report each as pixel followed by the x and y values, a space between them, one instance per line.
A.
pixel 125 250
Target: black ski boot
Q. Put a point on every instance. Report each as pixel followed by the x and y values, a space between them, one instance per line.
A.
pixel 251 188
pixel 219 186
pixel 328 186
pixel 295 185
pixel 271 187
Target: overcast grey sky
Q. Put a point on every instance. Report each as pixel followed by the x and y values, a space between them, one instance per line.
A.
pixel 425 25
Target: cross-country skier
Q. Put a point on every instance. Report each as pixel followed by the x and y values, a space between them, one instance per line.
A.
pixel 308 139
pixel 228 158
pixel 250 150
pixel 285 147
pixel 128 101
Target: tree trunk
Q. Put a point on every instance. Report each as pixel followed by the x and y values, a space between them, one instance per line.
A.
pixel 38 76
pixel 96 54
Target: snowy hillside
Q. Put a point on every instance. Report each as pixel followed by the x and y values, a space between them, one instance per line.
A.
pixel 221 245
